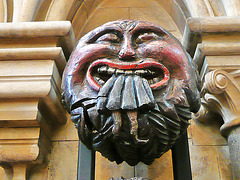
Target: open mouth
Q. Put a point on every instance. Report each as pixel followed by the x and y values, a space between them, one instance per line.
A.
pixel 100 71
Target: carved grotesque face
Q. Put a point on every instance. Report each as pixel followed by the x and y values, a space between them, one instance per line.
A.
pixel 130 89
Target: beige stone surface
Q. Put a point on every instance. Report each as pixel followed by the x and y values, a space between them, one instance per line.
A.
pixel 129 3
pixel 62 163
pixel 76 6
pixel 36 74
pixel 210 30
pixel 204 162
pixel 161 168
pixel 43 9
pixel 106 169
pixel 157 15
pixel 131 9
pixel 66 132
pixel 63 160
pixel 217 7
pixel 3 11
pixel 207 134
pixel 232 7
pixel 91 5
pixel 213 52
pixel 58 10
pixel 154 14
pixel 199 8
pixel 24 141
pixel 224 162
pixel 217 52
pixel 230 37
pixel 5 174
pixel 18 113
pixel 24 10
pixel 178 16
pixel 30 80
pixel 79 19
pixel 167 5
pixel 38 172
pixel 37 34
pixel 101 16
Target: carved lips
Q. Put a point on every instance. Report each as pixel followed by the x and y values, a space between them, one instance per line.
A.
pixel 100 71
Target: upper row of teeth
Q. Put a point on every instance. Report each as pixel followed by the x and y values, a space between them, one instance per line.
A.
pixel 109 70
pixel 150 81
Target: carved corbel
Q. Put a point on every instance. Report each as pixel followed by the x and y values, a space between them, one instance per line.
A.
pixel 130 88
pixel 221 93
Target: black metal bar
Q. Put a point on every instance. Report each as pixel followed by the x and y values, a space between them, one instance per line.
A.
pixel 86 163
pixel 181 159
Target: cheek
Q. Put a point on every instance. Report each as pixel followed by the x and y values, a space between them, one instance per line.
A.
pixel 82 59
pixel 170 55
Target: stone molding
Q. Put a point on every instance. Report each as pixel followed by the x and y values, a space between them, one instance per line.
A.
pixel 32 59
pixel 214 45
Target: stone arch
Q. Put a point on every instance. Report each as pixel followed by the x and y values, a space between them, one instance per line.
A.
pixel 80 12
pixel 88 14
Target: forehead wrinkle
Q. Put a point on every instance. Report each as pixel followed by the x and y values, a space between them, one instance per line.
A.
pixel 127 25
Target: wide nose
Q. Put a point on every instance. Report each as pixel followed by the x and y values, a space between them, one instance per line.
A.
pixel 127 52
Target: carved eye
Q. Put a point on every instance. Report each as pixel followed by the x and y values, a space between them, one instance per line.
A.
pixel 147 37
pixel 110 37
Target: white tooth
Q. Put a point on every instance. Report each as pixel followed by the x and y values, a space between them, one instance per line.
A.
pixel 119 71
pixel 145 71
pixel 155 79
pixel 110 70
pixel 96 78
pixel 150 72
pixel 102 69
pixel 101 82
pixel 129 72
pixel 159 79
pixel 150 81
pixel 140 71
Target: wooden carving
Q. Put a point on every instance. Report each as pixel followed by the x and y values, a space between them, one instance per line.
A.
pixel 130 89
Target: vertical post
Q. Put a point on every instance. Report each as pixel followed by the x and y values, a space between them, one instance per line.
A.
pixel 181 159
pixel 86 163
pixel 234 149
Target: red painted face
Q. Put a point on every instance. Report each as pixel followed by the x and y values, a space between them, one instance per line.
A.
pixel 120 47
pixel 127 85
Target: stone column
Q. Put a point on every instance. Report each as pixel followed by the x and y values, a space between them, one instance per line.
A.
pixel 234 148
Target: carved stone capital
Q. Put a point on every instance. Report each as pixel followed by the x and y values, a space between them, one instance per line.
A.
pixel 222 91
